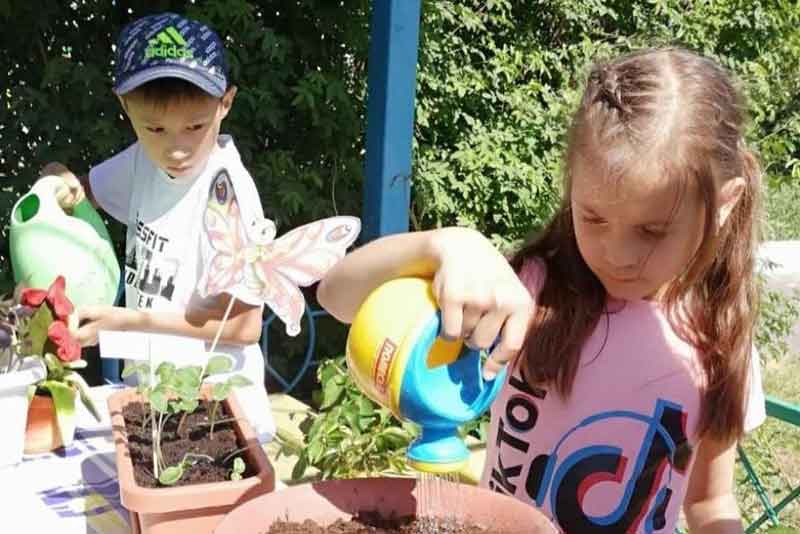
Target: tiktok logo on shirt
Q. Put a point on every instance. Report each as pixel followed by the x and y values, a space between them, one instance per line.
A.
pixel 633 489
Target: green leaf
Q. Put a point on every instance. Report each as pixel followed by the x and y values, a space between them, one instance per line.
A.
pixel 365 406
pixel 188 377
pixel 331 392
pixel 55 368
pixel 351 416
pixel 187 393
pixel 37 329
pixel 64 404
pixel 83 390
pixel 239 381
pixel 77 364
pixel 187 405
pixel 165 371
pixel 220 391
pixel 158 399
pixel 135 368
pixel 238 468
pixel 327 371
pixel 300 467
pixel 315 449
pixel 395 437
pixel 238 464
pixel 171 475
pixel 219 363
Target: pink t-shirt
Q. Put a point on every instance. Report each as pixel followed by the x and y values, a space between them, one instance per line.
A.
pixel 600 461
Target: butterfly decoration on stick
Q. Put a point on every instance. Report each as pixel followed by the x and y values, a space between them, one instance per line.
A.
pixel 255 266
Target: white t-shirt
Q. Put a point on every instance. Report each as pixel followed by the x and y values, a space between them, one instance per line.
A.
pixel 616 455
pixel 167 248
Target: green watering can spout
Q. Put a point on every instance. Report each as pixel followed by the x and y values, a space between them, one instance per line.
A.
pixel 46 241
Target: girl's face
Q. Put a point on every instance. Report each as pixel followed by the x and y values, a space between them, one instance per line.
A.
pixel 636 234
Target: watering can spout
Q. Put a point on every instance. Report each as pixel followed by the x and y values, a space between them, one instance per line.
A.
pixel 45 242
pixel 394 353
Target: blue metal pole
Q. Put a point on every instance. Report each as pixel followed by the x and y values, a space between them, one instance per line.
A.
pixel 394 39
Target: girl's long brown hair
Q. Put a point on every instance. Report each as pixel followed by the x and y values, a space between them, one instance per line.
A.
pixel 682 111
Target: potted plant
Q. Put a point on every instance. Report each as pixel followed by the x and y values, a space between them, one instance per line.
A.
pixel 173 430
pixel 48 336
pixel 17 374
pixel 350 436
pixel 36 321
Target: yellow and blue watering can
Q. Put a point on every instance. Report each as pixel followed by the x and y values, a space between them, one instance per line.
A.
pixel 395 355
pixel 45 242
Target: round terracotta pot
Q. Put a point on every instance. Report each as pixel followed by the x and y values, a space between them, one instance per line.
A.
pixel 325 502
pixel 41 432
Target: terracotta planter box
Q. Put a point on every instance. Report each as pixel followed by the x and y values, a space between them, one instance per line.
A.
pixel 194 509
pixel 325 502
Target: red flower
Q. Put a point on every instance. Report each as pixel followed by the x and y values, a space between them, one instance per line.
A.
pixel 67 347
pixel 55 297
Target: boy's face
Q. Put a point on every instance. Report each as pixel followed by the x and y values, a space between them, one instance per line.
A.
pixel 180 136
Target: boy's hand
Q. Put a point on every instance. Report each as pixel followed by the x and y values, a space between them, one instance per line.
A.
pixel 70 192
pixel 92 319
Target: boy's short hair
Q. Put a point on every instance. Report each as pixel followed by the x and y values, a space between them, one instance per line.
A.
pixel 169 47
pixel 162 92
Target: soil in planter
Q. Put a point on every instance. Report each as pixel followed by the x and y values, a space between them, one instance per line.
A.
pixel 194 437
pixel 371 523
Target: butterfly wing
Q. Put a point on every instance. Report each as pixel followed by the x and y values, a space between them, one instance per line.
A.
pixel 223 226
pixel 298 259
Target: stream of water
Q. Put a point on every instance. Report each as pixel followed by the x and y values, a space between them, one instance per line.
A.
pixel 438 507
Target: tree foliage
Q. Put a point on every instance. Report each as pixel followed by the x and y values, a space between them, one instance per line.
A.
pixel 497 80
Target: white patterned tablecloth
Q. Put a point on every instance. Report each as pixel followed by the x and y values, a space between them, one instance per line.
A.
pixel 71 491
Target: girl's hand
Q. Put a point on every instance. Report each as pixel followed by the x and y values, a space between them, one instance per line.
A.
pixel 94 318
pixel 480 295
pixel 70 192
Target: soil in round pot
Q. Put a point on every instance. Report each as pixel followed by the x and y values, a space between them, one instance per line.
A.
pixel 373 523
pixel 193 437
pixel 320 505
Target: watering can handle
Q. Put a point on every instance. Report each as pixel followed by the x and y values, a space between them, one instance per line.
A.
pixel 45 188
pixel 488 350
pixel 489 388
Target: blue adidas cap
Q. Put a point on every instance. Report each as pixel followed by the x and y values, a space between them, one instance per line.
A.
pixel 170 46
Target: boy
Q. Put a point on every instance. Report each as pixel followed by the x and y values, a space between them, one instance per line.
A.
pixel 171 80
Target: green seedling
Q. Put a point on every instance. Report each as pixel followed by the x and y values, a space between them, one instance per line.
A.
pixel 238 469
pixel 172 474
pixel 176 391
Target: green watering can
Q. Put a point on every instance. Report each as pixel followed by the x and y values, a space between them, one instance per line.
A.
pixel 46 242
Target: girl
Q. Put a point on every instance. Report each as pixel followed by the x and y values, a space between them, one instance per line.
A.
pixel 628 321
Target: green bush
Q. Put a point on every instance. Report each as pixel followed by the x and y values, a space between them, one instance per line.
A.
pixel 498 81
pixel 782 204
